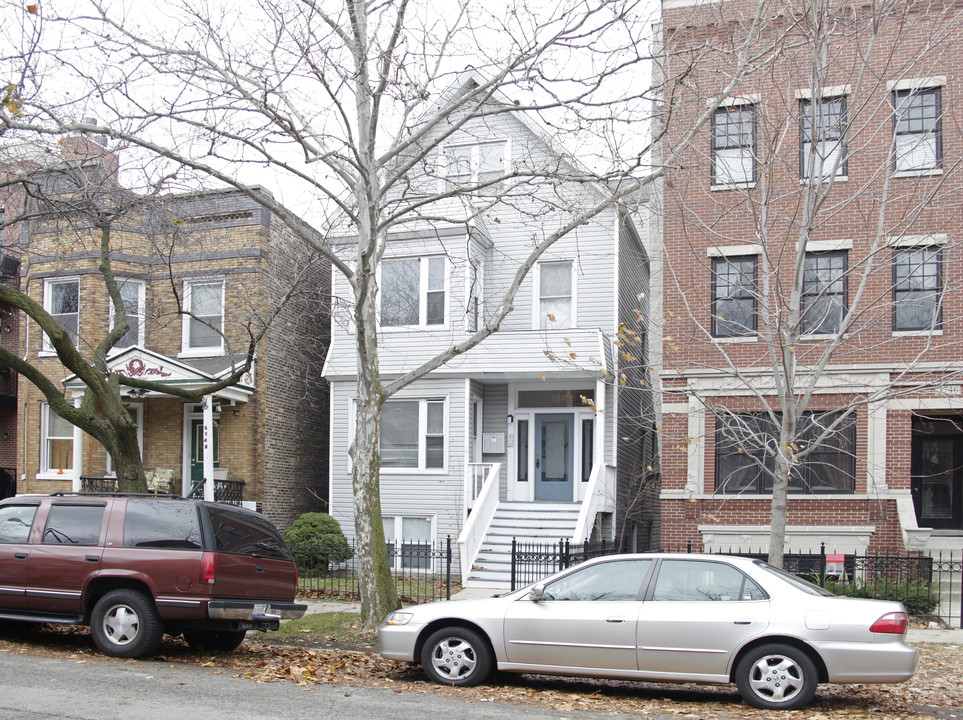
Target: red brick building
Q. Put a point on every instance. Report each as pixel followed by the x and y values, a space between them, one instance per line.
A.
pixel 808 250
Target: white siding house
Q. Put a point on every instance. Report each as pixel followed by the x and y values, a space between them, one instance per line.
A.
pixel 525 431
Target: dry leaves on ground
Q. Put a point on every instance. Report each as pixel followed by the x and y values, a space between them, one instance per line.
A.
pixel 935 691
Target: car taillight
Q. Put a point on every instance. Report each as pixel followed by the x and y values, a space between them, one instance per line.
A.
pixel 894 622
pixel 208 568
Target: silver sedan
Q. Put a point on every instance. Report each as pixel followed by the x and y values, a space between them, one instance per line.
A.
pixel 664 618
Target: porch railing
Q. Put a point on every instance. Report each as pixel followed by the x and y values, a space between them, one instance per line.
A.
pixel 227 491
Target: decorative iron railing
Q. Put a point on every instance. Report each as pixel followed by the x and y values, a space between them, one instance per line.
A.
pixel 227 491
pixel 421 570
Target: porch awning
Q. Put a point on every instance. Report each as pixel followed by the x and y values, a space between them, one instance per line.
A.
pixel 184 373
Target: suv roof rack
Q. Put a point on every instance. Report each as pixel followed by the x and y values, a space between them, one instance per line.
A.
pixel 71 493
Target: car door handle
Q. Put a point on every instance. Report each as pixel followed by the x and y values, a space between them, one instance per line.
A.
pixel 615 620
pixel 92 558
pixel 742 622
pixel 258 568
pixel 20 556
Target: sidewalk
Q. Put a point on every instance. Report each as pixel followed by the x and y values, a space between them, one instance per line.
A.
pixel 914 635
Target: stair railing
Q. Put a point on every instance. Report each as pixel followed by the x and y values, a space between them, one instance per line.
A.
pixel 476 526
pixel 599 497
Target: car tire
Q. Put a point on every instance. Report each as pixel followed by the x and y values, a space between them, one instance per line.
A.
pixel 124 623
pixel 219 640
pixel 776 677
pixel 456 656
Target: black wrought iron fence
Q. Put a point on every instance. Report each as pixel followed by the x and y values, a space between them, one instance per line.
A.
pixel 421 570
pixel 928 585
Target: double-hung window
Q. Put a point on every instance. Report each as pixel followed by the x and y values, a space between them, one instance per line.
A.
pixel 556 307
pixel 475 163
pixel 57 442
pixel 62 301
pixel 413 434
pixel 917 288
pixel 917 130
pixel 822 149
pixel 734 145
pixel 132 295
pixel 204 321
pixel 413 291
pixel 747 443
pixel 823 292
pixel 734 296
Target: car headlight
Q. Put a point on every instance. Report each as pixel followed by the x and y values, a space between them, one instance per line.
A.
pixel 398 618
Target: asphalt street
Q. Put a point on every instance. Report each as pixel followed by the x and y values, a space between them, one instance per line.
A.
pixel 36 688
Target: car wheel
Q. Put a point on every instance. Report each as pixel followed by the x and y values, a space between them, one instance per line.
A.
pixel 776 677
pixel 456 656
pixel 125 623
pixel 220 640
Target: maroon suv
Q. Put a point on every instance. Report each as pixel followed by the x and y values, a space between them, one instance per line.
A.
pixel 134 567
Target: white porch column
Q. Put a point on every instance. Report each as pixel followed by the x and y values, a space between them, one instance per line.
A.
pixel 208 443
pixel 78 451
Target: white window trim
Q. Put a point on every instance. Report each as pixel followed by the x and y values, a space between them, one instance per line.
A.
pixel 399 539
pixel 186 349
pixel 734 250
pixel 478 265
pixel 916 83
pixel 141 306
pixel 46 347
pixel 824 92
pixel 919 240
pixel 422 293
pixel 736 100
pixel 422 401
pixel 45 471
pixel 537 296
pixel 475 145
pixel 828 245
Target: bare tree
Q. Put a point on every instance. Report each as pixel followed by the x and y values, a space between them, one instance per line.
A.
pixel 352 104
pixel 808 243
pixel 72 202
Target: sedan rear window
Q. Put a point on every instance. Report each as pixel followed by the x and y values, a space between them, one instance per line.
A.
pixel 796 581
pixel 162 524
pixel 242 533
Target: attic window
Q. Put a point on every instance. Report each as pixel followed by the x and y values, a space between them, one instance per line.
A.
pixel 475 163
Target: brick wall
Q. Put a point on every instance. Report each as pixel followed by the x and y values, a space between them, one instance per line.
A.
pixel 868 210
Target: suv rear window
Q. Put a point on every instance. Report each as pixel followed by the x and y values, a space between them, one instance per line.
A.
pixel 162 524
pixel 73 524
pixel 15 522
pixel 242 533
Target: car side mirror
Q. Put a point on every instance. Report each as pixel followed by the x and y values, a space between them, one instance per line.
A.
pixel 535 594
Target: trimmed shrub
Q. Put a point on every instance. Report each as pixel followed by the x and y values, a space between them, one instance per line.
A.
pixel 316 541
pixel 917 596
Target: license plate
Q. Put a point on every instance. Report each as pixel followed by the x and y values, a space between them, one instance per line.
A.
pixel 260 608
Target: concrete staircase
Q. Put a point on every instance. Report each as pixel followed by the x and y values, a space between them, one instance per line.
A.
pixel 527 522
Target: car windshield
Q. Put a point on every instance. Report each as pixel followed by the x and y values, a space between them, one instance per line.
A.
pixel 796 581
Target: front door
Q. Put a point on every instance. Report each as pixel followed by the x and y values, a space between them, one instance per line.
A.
pixel 937 483
pixel 554 444
pixel 197 450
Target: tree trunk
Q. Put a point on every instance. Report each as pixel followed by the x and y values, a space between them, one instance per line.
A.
pixel 127 462
pixel 780 502
pixel 378 593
